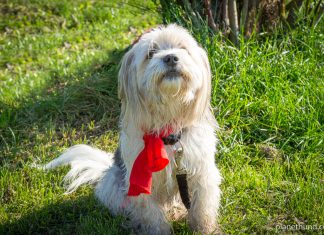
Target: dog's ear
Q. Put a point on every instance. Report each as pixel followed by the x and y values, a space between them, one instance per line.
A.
pixel 125 80
pixel 204 93
pixel 131 103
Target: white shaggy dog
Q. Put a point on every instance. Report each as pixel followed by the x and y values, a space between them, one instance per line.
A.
pixel 164 82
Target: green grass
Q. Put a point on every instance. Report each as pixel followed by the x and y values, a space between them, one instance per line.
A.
pixel 268 98
pixel 58 87
pixel 58 71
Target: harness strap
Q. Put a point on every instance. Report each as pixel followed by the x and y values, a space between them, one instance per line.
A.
pixel 183 189
pixel 181 175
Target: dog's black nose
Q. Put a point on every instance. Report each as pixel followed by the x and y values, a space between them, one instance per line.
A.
pixel 171 60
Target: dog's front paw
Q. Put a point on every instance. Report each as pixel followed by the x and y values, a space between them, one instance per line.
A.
pixel 204 225
pixel 163 229
pixel 149 229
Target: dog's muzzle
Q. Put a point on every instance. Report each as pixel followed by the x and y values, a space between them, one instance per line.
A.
pixel 173 73
pixel 171 60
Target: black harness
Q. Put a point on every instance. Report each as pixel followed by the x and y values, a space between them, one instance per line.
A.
pixel 181 176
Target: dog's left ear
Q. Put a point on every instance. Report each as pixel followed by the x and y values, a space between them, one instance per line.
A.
pixel 125 87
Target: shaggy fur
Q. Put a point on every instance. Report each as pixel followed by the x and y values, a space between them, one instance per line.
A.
pixel 157 94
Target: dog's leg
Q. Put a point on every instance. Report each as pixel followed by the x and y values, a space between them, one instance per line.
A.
pixel 205 201
pixel 145 216
pixel 204 179
pixel 143 212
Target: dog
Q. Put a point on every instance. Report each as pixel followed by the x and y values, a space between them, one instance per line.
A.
pixel 164 85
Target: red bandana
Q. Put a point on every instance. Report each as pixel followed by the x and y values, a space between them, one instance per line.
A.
pixel 152 158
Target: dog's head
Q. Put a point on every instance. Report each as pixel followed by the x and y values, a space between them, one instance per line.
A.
pixel 164 79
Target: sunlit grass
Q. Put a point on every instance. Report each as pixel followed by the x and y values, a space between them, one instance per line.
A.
pixel 58 70
pixel 268 98
pixel 58 87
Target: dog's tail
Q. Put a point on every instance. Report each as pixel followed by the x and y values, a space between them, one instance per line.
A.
pixel 88 165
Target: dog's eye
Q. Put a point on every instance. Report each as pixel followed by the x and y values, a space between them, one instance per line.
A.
pixel 150 53
pixel 184 48
pixel 153 49
pixel 181 46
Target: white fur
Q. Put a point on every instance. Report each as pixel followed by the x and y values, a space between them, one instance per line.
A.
pixel 154 99
pixel 87 165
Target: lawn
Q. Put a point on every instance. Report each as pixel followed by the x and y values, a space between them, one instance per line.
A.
pixel 58 87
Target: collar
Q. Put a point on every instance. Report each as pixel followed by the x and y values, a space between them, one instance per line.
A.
pixel 171 139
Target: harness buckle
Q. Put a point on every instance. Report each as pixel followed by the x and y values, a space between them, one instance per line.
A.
pixel 181 175
pixel 178 154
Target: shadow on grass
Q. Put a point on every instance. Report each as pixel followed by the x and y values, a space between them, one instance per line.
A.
pixel 83 215
pixel 66 103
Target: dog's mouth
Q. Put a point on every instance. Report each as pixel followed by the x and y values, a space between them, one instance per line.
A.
pixel 172 74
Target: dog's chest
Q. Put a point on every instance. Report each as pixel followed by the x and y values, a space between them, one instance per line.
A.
pixel 164 182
